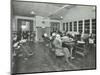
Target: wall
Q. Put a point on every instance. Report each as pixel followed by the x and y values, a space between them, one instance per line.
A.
pixel 44 23
pixel 13 24
pixel 40 19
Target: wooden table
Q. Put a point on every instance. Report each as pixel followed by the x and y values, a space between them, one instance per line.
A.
pixel 81 48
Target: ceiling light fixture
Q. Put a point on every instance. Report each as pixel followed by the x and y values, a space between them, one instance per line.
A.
pixel 61 17
pixel 32 12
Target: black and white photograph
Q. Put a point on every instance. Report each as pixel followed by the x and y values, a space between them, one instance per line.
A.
pixel 52 37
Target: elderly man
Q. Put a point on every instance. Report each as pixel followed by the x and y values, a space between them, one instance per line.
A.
pixel 59 50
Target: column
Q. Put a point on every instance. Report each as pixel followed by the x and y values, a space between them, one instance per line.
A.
pixel 72 26
pixel 77 26
pixel 68 26
pixel 90 26
pixel 65 26
pixel 83 27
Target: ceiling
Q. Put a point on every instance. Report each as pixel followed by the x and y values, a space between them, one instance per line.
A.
pixel 54 11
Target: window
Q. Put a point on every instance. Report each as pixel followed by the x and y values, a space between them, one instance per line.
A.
pixel 75 25
pixel 52 29
pixel 80 26
pixel 63 26
pixel 70 26
pixel 94 26
pixel 55 26
pixel 67 26
pixel 87 26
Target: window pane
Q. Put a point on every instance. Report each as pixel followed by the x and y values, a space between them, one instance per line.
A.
pixel 87 26
pixel 75 26
pixel 70 26
pixel 55 26
pixel 63 26
pixel 80 23
pixel 94 26
pixel 67 26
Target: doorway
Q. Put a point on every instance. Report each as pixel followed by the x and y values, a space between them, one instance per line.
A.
pixel 25 28
pixel 28 24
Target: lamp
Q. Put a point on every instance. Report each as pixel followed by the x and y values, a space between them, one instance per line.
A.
pixel 32 13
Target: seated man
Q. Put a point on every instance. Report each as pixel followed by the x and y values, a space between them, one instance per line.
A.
pixel 61 50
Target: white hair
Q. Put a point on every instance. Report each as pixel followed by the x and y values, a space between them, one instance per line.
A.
pixel 45 34
pixel 58 36
pixel 53 34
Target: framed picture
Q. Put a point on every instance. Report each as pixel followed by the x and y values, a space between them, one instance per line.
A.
pixel 52 37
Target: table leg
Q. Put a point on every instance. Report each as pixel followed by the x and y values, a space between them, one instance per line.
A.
pixel 71 53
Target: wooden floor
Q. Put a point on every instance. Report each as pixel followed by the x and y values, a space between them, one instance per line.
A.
pixel 44 60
